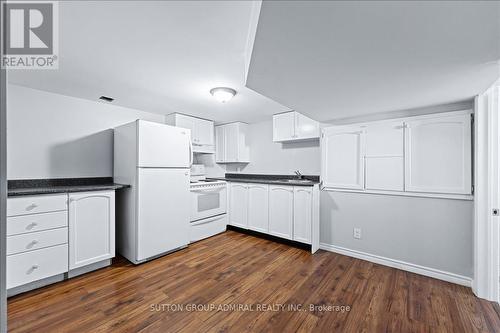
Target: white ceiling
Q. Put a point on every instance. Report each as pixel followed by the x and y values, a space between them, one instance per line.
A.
pixel 157 56
pixel 327 59
pixel 333 59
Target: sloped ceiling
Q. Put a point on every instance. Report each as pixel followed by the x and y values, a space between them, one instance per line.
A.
pixel 327 59
pixel 334 59
pixel 157 56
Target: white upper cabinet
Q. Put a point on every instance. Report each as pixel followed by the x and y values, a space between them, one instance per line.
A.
pixel 91 227
pixel 202 131
pixel 438 154
pixel 258 207
pixel 293 126
pixel 384 156
pixel 232 143
pixel 342 164
pixel 425 155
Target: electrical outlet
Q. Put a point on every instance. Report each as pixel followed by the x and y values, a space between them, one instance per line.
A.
pixel 356 233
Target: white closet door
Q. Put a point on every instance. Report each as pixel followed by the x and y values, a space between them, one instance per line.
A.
pixel 438 154
pixel 384 156
pixel 343 157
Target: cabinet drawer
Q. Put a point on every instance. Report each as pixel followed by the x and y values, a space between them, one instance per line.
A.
pixel 36 265
pixel 36 222
pixel 36 240
pixel 36 204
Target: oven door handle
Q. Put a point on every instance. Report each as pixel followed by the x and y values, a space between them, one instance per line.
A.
pixel 208 220
pixel 208 191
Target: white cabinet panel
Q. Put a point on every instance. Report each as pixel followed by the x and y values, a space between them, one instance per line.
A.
pixel 36 240
pixel 220 145
pixel 281 211
pixel 384 139
pixel 343 157
pixel 302 214
pixel 305 128
pixel 385 173
pixel 238 205
pixel 232 145
pixel 36 222
pixel 36 204
pixel 438 154
pixel 293 126
pixel 204 130
pixel 35 265
pixel 258 207
pixel 91 227
pixel 284 126
pixel 384 156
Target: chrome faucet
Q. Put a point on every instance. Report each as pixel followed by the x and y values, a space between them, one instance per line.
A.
pixel 299 175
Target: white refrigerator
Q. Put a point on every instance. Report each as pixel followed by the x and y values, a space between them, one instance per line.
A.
pixel 152 216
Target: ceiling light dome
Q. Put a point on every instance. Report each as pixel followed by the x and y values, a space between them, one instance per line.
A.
pixel 223 94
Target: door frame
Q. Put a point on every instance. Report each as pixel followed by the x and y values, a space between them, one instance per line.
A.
pixel 3 189
pixel 486 282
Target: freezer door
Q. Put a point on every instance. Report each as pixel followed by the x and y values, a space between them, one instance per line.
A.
pixel 163 211
pixel 163 146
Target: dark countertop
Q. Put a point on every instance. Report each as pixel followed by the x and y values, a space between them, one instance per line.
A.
pixel 268 179
pixel 60 185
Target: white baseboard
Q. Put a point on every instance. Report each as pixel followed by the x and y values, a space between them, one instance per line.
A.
pixel 422 270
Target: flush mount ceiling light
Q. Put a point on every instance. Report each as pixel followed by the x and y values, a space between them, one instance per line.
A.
pixel 223 94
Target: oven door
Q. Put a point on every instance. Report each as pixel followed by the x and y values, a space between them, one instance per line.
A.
pixel 207 202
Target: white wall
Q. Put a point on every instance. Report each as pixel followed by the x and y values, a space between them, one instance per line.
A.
pixel 434 233
pixel 56 136
pixel 269 157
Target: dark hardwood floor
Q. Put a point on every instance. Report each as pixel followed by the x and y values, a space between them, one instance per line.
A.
pixel 234 269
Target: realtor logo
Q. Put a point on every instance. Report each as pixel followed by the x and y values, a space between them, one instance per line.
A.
pixel 30 35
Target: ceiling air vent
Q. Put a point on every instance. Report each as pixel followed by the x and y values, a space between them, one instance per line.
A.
pixel 106 99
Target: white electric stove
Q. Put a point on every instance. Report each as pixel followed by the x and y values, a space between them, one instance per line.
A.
pixel 208 205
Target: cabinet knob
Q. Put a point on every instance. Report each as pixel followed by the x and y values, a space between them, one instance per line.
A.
pixel 31 225
pixel 33 243
pixel 34 267
pixel 32 206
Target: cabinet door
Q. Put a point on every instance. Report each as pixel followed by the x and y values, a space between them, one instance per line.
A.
pixel 384 156
pixel 302 214
pixel 258 207
pixel 204 130
pixel 231 142
pixel 238 205
pixel 305 128
pixel 91 227
pixel 342 158
pixel 220 144
pixel 438 154
pixel 284 126
pixel 281 211
pixel 187 122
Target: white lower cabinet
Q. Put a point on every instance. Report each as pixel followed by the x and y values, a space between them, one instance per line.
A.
pixel 238 205
pixel 258 207
pixel 26 267
pixel 302 214
pixel 281 211
pixel 285 211
pixel 91 227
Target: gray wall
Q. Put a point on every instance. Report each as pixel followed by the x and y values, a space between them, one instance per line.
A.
pixel 435 233
pixel 54 136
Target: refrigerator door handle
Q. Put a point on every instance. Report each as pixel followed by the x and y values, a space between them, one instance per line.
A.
pixel 190 152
